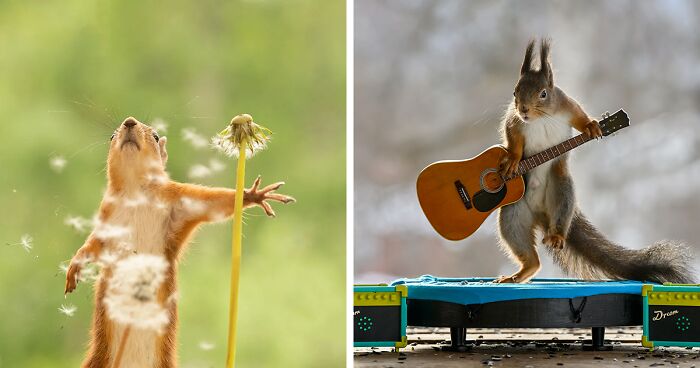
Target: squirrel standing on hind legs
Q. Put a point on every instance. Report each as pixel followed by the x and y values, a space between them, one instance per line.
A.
pixel 540 116
pixel 144 212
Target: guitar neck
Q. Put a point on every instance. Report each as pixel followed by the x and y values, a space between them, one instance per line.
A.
pixel 549 154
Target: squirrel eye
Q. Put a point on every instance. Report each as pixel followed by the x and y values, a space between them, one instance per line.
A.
pixel 156 137
pixel 543 94
pixel 112 137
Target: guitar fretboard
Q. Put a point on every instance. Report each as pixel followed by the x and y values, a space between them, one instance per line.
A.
pixel 549 154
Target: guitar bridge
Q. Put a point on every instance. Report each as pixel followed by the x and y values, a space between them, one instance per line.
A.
pixel 463 194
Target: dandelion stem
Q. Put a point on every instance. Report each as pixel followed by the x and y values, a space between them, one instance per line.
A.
pixel 236 238
pixel 122 345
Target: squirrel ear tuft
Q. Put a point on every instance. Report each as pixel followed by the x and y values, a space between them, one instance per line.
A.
pixel 545 65
pixel 527 63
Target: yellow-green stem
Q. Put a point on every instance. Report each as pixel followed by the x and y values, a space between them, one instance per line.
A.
pixel 236 256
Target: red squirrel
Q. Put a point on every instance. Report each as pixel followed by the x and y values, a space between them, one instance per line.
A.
pixel 540 116
pixel 154 215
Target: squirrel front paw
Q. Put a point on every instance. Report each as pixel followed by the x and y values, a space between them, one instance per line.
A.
pixel 592 129
pixel 509 165
pixel 72 277
pixel 555 241
pixel 260 196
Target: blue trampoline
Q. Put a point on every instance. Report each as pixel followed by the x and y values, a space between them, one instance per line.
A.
pixel 461 303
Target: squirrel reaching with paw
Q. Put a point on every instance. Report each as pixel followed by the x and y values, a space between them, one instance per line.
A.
pixel 157 217
pixel 540 116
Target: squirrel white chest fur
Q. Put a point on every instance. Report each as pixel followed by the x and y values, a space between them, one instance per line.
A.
pixel 540 134
pixel 138 224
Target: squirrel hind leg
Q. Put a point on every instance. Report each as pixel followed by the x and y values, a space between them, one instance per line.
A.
pixel 517 231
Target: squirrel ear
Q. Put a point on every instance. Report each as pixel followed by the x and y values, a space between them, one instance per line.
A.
pixel 528 58
pixel 163 152
pixel 545 65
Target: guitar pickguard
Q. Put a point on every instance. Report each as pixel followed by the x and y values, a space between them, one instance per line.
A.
pixel 484 201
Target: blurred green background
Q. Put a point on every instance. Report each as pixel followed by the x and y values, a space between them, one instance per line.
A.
pixel 71 71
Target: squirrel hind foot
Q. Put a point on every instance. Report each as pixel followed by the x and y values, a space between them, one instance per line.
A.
pixel 506 280
pixel 555 241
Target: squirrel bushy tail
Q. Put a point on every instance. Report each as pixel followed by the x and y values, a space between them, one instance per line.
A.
pixel 589 255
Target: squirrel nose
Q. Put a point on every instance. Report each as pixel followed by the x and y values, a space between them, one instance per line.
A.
pixel 524 110
pixel 130 122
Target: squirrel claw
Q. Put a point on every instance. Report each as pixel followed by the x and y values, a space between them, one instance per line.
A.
pixel 593 130
pixel 261 196
pixel 509 166
pixel 505 280
pixel 555 241
pixel 71 278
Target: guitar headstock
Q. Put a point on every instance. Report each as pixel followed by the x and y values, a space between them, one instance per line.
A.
pixel 612 123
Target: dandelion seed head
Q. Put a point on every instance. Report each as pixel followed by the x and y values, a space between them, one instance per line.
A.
pixel 194 138
pixel 57 163
pixel 242 133
pixel 131 296
pixel 63 267
pixel 198 171
pixel 68 310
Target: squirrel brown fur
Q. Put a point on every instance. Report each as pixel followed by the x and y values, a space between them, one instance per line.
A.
pixel 540 116
pixel 161 215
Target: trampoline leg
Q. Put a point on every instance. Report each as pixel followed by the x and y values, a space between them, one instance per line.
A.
pixel 458 340
pixel 597 341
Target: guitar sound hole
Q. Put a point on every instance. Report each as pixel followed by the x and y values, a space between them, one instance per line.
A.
pixel 484 201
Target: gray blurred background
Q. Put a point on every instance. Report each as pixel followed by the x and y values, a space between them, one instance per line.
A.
pixel 432 79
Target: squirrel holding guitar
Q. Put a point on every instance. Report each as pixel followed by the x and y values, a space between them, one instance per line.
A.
pixel 533 166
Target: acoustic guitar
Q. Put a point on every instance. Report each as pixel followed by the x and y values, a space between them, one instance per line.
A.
pixel 457 196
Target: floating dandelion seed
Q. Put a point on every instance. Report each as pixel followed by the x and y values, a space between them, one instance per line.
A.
pixel 68 310
pixel 78 223
pixel 138 200
pixel 107 258
pixel 88 273
pixel 206 345
pixel 216 165
pixel 26 242
pixel 63 267
pixel 242 133
pixel 159 125
pixel 193 206
pixel 108 231
pixel 195 139
pixel 199 171
pixel 132 290
pixel 57 163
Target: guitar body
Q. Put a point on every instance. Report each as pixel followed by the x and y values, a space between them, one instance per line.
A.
pixel 457 196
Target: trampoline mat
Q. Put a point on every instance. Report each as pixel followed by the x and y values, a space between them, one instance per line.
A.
pixel 468 291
